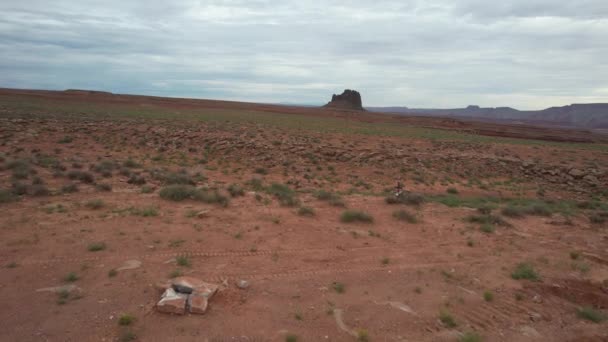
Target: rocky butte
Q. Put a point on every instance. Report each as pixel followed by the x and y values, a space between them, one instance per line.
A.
pixel 349 99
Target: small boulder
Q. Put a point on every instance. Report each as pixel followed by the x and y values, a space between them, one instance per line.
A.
pixel 172 302
pixel 197 303
pixel 576 173
pixel 242 284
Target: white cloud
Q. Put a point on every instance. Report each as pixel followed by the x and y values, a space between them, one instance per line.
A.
pixel 527 54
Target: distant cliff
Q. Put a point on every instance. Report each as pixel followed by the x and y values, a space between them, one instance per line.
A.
pixel 592 115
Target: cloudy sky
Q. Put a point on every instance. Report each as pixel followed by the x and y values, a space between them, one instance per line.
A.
pixel 441 53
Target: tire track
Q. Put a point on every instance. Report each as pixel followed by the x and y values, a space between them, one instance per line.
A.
pixel 216 254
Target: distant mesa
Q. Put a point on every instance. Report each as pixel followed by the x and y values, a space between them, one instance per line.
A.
pixel 87 92
pixel 349 99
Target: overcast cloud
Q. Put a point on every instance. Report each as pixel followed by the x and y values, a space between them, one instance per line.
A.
pixel 527 54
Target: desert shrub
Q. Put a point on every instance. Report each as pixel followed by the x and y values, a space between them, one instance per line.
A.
pixel 65 140
pixel 261 171
pixel 21 168
pixel 136 179
pixel 37 181
pixel 452 191
pixel 83 176
pixel 105 167
pixel 69 188
pixel 488 219
pixel 407 198
pixel 145 212
pixel 103 187
pixel 598 218
pixel 147 189
pixel 96 246
pixel 403 215
pixel 177 192
pixel 356 216
pixel 591 314
pixel 210 196
pixel 447 319
pixel 39 190
pixel 255 184
pixel 283 194
pixel 18 188
pixel 177 178
pixel 524 271
pixel 306 211
pixel 470 337
pixel 332 198
pixel 126 319
pixel 95 204
pixel 6 196
pixel 535 209
pixel 130 163
pixel 236 190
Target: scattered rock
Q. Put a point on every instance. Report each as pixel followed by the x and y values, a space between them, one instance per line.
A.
pixel 58 289
pixel 202 214
pixel 242 284
pixel 576 173
pixel 197 303
pixel 528 331
pixel 129 265
pixel 183 294
pixel 172 302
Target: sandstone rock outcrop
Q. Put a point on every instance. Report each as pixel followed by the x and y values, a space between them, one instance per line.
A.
pixel 349 99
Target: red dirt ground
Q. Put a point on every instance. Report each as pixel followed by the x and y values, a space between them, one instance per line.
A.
pixel 397 276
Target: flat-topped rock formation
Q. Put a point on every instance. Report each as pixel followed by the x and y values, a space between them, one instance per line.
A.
pixel 349 99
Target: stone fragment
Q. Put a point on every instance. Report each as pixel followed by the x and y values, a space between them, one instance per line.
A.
pixel 129 265
pixel 172 302
pixel 197 285
pixel 242 284
pixel 197 303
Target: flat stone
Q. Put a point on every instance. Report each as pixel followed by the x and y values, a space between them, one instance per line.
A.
pixel 202 214
pixel 172 302
pixel 58 289
pixel 197 303
pixel 129 265
pixel 242 284
pixel 198 286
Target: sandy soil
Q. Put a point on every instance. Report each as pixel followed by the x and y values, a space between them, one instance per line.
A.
pixel 397 276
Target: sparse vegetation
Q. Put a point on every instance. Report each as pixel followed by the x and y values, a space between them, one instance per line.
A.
pixel 183 260
pixel 71 277
pixel 285 195
pixel 406 198
pixel 591 314
pixel 403 215
pixel 470 337
pixel 338 287
pixel 126 319
pixel 95 204
pixel 96 246
pixel 306 211
pixel 524 271
pixel 349 216
pixel 447 319
pixel 488 296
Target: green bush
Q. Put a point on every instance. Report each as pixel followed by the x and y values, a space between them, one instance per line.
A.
pixel 236 190
pixel 283 194
pixel 177 192
pixel 6 196
pixel 356 216
pixel 406 198
pixel 332 198
pixel 306 211
pixel 403 215
pixel 524 271
pixel 591 314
